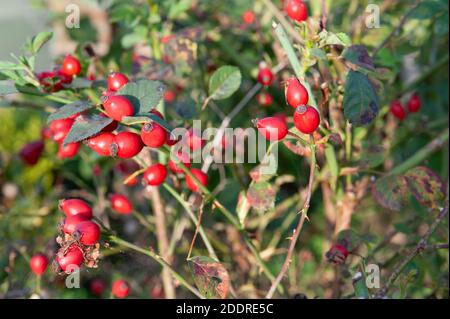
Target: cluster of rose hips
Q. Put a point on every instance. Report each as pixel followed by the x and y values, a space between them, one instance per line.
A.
pixel 306 118
pixel 53 81
pixel 39 264
pixel 79 239
pixel 413 106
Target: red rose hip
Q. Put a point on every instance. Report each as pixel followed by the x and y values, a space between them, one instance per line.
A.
pixel 31 152
pixel 120 288
pixel 117 107
pixel 121 204
pixel 38 264
pixel 89 232
pixel 69 150
pixel 153 135
pixel 265 76
pixel 272 128
pixel 72 257
pixel 306 119
pixel 296 10
pixel 296 94
pixel 71 223
pixel 396 108
pixel 116 80
pixel 155 174
pixel 75 206
pixel 201 176
pixel 71 66
pixel 128 144
pixel 414 104
pixel 101 143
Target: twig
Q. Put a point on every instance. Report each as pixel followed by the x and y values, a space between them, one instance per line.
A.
pixel 423 153
pixel 197 227
pixel 303 217
pixel 159 260
pixel 163 241
pixel 396 30
pixel 421 246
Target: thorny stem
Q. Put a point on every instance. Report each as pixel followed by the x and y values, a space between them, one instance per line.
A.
pixel 421 246
pixel 396 30
pixel 197 227
pixel 298 229
pixel 159 260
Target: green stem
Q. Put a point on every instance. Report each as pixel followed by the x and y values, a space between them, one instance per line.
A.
pixel 160 261
pixel 422 154
pixel 191 214
pixel 293 60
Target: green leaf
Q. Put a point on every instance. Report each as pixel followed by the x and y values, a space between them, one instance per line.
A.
pixel 361 102
pixel 261 196
pixel 143 94
pixel 426 186
pixel 69 109
pixel 85 127
pixel 6 65
pixel 390 191
pixel 39 40
pixel 358 55
pixel 210 276
pixel 330 38
pixel 224 82
pixel 146 118
pixel 179 7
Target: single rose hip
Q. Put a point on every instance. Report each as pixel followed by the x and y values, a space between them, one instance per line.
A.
pixel 120 288
pixel 38 264
pixel 306 119
pixel 75 206
pixel 414 103
pixel 202 178
pixel 264 99
pixel 396 108
pixel 169 96
pixel 31 152
pixel 71 222
pixel 265 76
pixel 89 232
pixel 116 80
pixel 296 10
pixel 69 258
pixel 101 143
pixel 128 144
pixel 153 135
pixel 117 107
pixel 121 204
pixel 155 174
pixel 97 287
pixel 71 65
pixel 60 128
pixel 272 128
pixel 69 150
pixel 296 94
pixel 248 17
